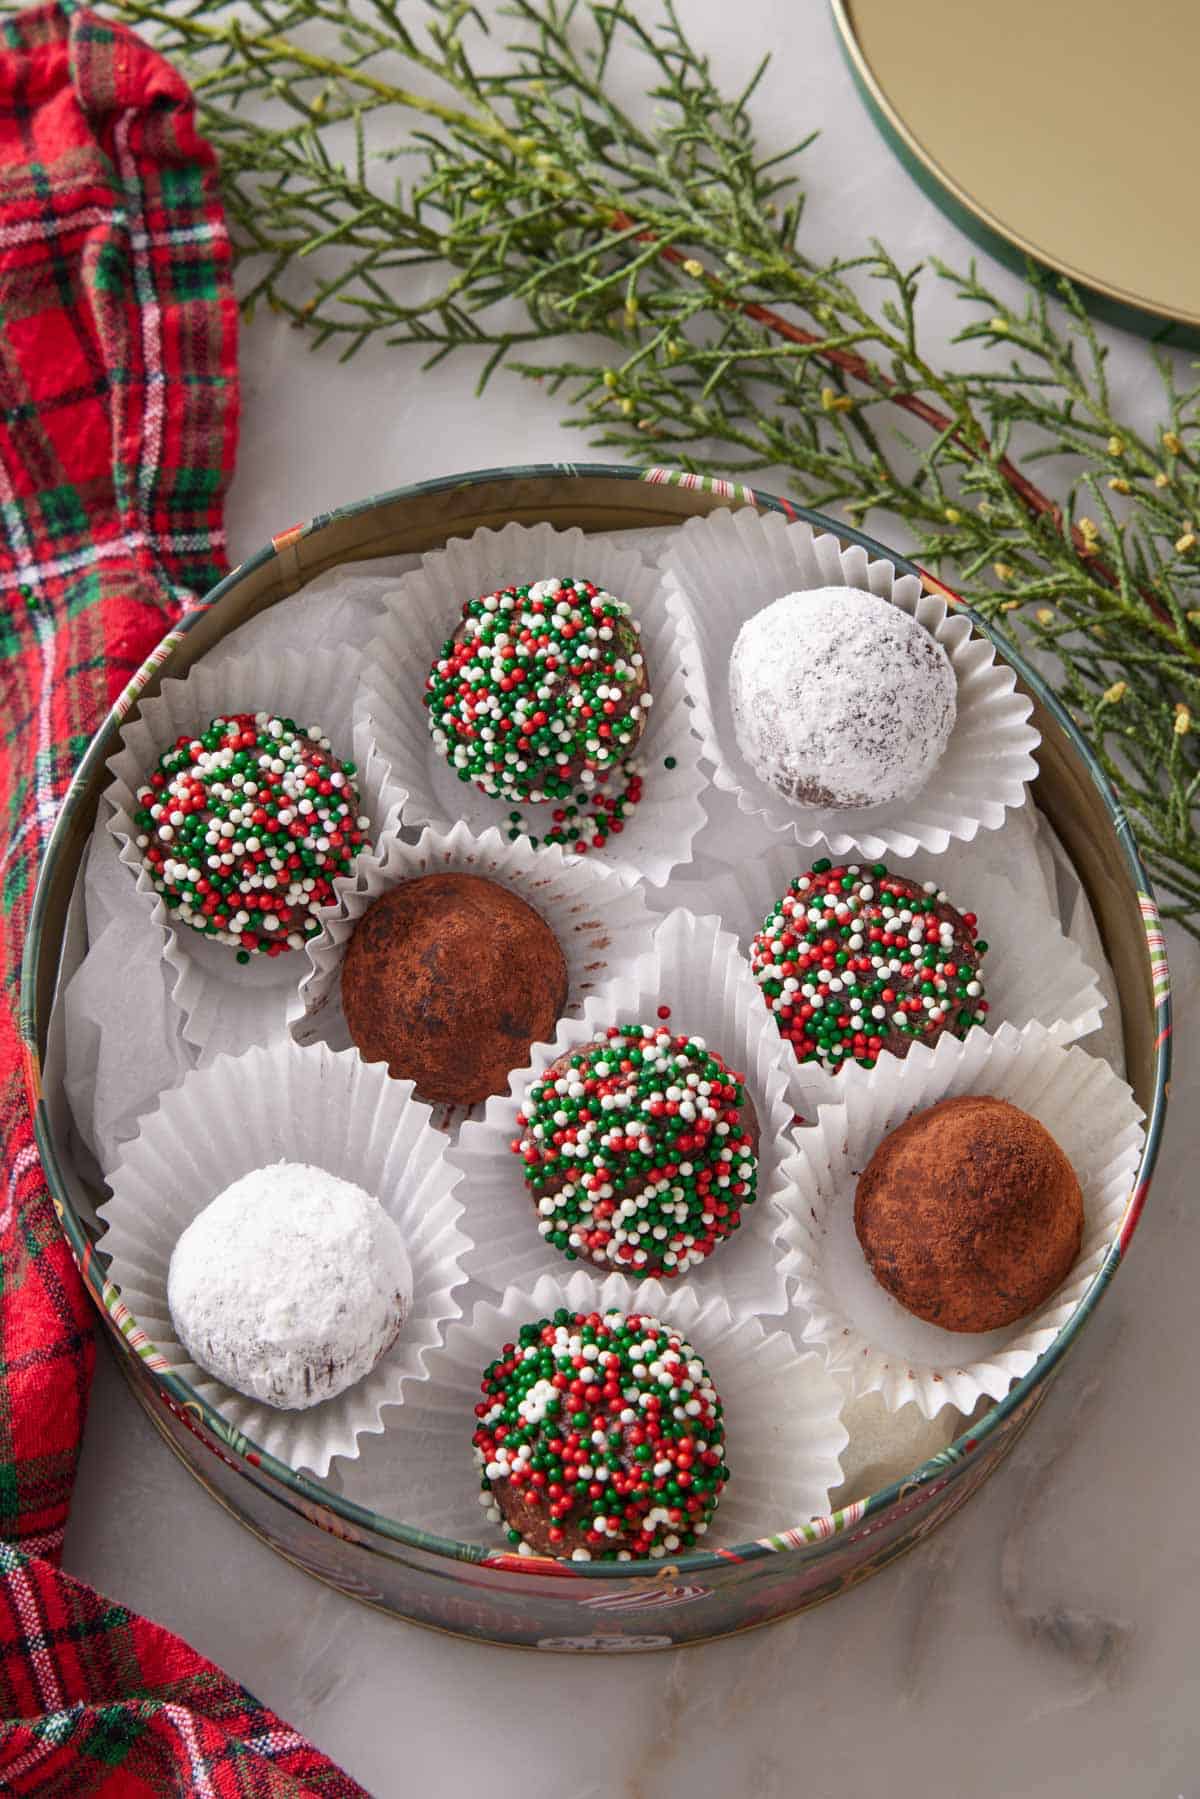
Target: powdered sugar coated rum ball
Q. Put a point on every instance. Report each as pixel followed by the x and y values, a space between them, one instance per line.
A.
pixel 840 699
pixel 290 1285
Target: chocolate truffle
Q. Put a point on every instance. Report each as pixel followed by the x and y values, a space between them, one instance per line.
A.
pixel 542 688
pixel 290 1285
pixel 244 829
pixel 840 698
pixel 969 1214
pixel 449 979
pixel 600 1438
pixel 854 960
pixel 640 1151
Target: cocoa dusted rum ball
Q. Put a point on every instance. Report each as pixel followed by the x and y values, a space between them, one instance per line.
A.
pixel 449 979
pixel 969 1214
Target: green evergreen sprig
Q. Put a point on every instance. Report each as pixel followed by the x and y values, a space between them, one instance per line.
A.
pixel 422 184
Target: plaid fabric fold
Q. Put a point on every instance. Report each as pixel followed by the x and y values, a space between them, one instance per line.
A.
pixel 118 423
pixel 99 1701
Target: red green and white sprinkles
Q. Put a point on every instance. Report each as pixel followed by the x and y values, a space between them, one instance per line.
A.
pixel 601 1434
pixel 856 960
pixel 636 1152
pixel 541 696
pixel 245 827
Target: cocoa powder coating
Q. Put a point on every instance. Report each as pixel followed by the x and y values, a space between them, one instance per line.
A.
pixel 449 979
pixel 969 1214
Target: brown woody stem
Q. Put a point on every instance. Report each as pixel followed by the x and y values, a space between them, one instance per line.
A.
pixel 1035 502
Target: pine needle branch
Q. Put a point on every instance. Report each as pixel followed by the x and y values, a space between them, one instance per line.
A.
pixel 399 173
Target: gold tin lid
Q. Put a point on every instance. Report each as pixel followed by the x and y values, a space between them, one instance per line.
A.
pixel 1068 132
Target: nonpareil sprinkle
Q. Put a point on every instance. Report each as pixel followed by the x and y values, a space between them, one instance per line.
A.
pixel 541 695
pixel 854 960
pixel 639 1151
pixel 589 823
pixel 600 1437
pixel 245 827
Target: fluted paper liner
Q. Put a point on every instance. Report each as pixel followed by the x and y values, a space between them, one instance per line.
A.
pixel 722 569
pixel 283 1103
pixel 866 1336
pixel 602 923
pixel 426 609
pixel 694 968
pixel 784 1437
pixel 1032 972
pixel 227 1004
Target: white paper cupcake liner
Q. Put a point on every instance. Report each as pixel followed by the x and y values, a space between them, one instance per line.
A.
pixel 602 924
pixel 722 569
pixel 227 1005
pixel 426 608
pixel 282 1103
pixel 885 1446
pixel 693 967
pixel 868 1337
pixel 784 1436
pixel 342 606
pixel 1032 972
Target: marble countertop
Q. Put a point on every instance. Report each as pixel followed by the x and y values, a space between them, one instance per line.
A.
pixel 1040 1644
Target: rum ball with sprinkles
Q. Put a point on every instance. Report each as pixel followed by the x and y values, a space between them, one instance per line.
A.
pixel 640 1151
pixel 600 1437
pixel 540 697
pixel 244 828
pixel 855 960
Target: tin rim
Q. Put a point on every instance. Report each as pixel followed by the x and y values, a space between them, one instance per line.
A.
pixel 179 1395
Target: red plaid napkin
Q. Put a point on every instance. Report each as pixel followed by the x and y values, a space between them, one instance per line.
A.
pixel 118 421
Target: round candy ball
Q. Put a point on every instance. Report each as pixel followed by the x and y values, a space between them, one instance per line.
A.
pixel 840 699
pixel 244 829
pixel 290 1285
pixel 450 979
pixel 969 1214
pixel 543 688
pixel 600 1437
pixel 640 1151
pixel 855 960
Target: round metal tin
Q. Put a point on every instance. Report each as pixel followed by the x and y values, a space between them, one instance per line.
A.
pixel 462 1587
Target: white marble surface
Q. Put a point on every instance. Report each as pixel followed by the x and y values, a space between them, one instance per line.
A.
pixel 1043 1643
